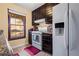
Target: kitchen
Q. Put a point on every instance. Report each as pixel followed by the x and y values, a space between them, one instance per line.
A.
pixel 39 29
pixel 42 21
pixel 29 28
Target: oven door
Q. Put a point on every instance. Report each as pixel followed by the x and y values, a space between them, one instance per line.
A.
pixel 36 38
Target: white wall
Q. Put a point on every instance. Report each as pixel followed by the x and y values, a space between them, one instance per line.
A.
pixel 4 21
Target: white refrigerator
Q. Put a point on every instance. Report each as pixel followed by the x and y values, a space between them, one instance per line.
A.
pixel 66 29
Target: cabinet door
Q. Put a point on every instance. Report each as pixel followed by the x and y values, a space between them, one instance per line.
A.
pixel 43 11
pixel 49 10
pixel 33 17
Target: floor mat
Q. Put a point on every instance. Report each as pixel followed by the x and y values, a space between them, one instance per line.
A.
pixel 32 50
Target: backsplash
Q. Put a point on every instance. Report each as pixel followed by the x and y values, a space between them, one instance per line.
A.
pixel 43 24
pixel 43 27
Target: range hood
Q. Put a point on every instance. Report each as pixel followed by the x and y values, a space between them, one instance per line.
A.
pixel 40 20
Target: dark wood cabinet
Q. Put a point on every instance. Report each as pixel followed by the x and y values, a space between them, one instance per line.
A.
pixel 30 37
pixel 44 11
pixel 47 42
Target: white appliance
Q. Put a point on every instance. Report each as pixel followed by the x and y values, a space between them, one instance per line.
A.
pixel 37 39
pixel 66 39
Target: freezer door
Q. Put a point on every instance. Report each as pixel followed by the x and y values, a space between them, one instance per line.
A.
pixel 60 35
pixel 74 29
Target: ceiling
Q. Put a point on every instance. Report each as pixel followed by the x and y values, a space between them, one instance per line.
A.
pixel 31 6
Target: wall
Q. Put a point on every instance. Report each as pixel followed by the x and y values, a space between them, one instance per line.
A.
pixel 4 21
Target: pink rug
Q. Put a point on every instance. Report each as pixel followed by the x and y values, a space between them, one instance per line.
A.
pixel 32 50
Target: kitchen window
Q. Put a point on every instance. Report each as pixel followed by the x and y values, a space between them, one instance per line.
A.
pixel 16 26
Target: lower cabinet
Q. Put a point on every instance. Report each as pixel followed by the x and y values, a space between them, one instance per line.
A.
pixel 47 43
pixel 30 37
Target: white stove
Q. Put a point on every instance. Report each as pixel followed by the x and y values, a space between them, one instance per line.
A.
pixel 37 39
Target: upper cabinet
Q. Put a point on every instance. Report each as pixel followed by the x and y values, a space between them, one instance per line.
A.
pixel 44 11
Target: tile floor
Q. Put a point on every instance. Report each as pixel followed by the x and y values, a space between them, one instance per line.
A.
pixel 24 53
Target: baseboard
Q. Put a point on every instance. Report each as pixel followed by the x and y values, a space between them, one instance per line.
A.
pixel 18 46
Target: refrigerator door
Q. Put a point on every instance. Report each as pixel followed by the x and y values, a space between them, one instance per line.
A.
pixel 74 29
pixel 60 34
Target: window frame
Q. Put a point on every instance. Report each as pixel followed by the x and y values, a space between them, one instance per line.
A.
pixel 9 27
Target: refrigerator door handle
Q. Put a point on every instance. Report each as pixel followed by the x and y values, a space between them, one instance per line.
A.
pixel 66 20
pixel 72 20
pixel 71 25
